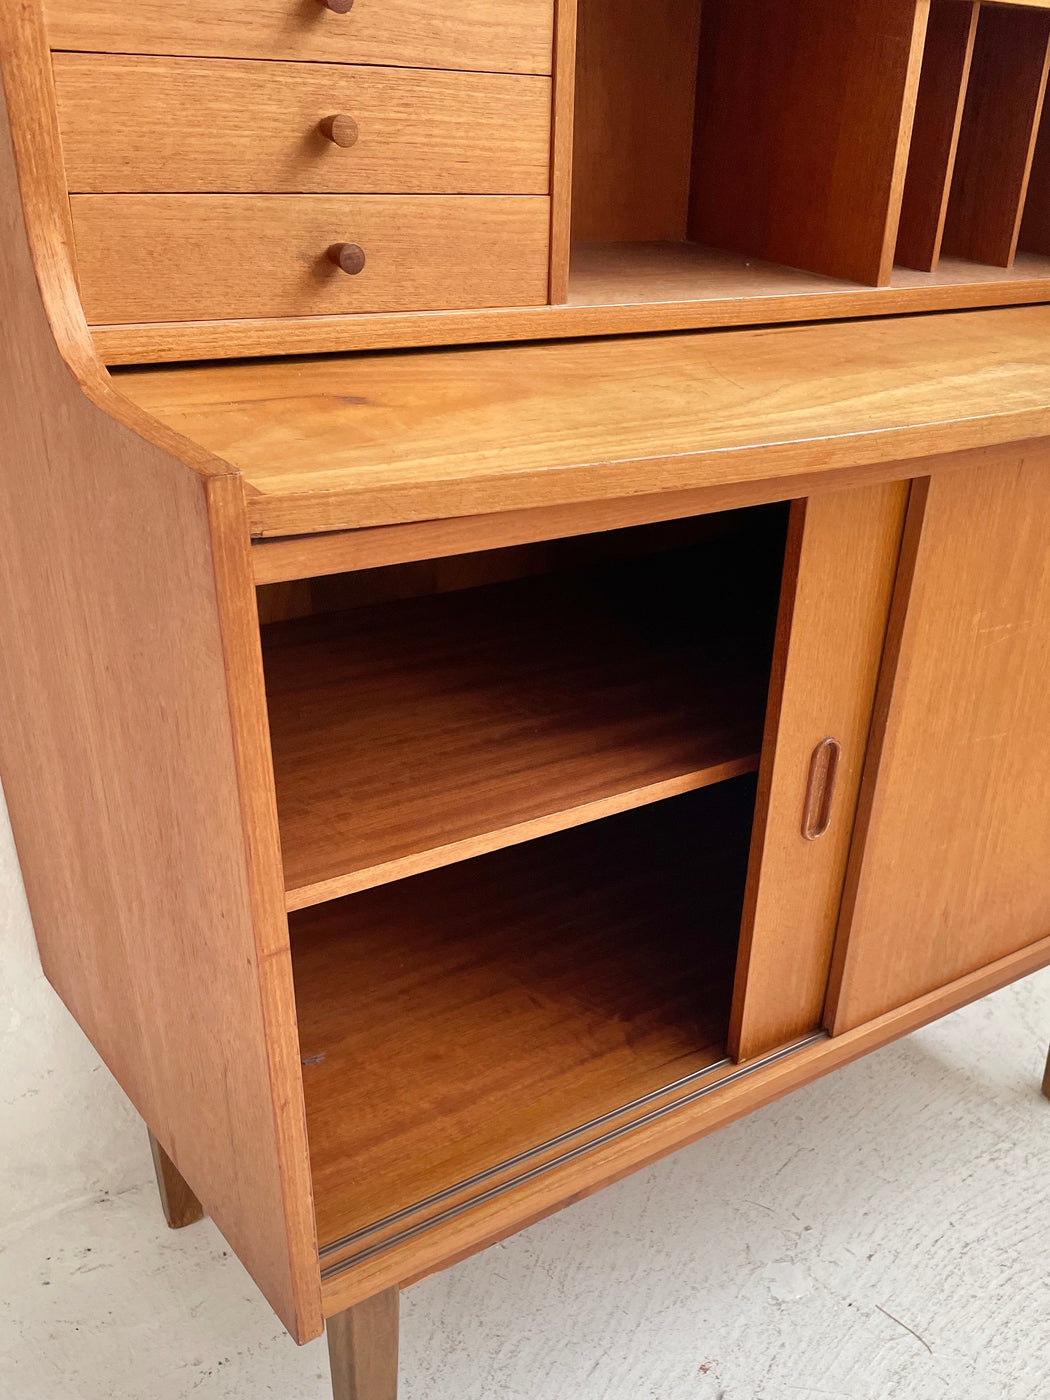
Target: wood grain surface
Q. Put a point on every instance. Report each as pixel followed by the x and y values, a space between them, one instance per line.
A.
pixel 176 257
pixel 635 100
pixel 946 61
pixel 177 1201
pixel 363 1348
pixel 149 850
pixel 562 147
pixel 948 870
pixel 613 288
pixel 512 36
pixel 804 115
pixel 221 126
pixel 1035 223
pixel 466 1232
pixel 375 440
pixel 283 561
pixel 411 734
pixel 839 576
pixel 454 1020
pixel 997 141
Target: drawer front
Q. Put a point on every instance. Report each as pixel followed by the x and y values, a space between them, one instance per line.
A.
pixel 498 36
pixel 215 257
pixel 202 125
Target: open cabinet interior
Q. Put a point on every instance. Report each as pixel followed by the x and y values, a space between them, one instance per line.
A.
pixel 516 796
pixel 761 148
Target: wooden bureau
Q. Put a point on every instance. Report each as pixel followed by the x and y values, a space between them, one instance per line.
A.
pixel 524 598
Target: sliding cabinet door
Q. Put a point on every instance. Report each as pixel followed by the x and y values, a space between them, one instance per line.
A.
pixel 950 866
pixel 839 573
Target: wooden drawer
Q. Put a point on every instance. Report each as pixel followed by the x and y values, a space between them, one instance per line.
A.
pixel 499 36
pixel 200 125
pixel 213 257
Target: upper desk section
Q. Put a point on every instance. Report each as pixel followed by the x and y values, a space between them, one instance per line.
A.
pixel 365 440
pixel 331 175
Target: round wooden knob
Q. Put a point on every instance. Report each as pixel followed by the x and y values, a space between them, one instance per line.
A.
pixel 341 129
pixel 339 7
pixel 349 256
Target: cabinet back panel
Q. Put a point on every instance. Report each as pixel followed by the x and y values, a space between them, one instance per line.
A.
pixel 804 113
pixel 635 94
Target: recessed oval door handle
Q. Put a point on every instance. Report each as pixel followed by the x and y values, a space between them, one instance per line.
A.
pixel 340 129
pixel 820 793
pixel 349 256
pixel 339 7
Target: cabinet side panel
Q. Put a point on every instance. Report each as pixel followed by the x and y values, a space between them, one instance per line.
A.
pixel 143 834
pixel 842 558
pixel 949 867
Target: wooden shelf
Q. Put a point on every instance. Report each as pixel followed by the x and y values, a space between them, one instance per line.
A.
pixel 626 274
pixel 416 733
pixel 453 1021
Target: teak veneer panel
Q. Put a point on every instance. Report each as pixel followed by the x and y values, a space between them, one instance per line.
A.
pixel 133 745
pixel 365 440
pixel 997 142
pixel 948 872
pixel 1035 225
pixel 804 113
pixel 176 257
pixel 841 565
pixel 452 1021
pixel 412 734
pixel 634 111
pixel 561 154
pixel 731 1099
pixel 945 75
pixel 617 288
pixel 499 36
pixel 134 124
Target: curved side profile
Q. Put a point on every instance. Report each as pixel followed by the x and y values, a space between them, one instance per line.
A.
pixel 143 817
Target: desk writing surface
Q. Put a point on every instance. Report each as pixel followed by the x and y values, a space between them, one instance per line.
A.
pixel 357 440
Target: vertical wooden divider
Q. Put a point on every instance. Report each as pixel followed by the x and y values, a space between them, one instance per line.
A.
pixel 935 135
pixel 999 128
pixel 804 116
pixel 563 104
pixel 1035 225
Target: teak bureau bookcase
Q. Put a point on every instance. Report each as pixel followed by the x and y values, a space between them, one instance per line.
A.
pixel 525 595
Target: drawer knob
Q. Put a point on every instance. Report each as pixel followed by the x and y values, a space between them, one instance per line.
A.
pixel 349 256
pixel 341 129
pixel 339 7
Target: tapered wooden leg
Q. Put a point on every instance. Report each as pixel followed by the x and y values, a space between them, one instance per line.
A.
pixel 362 1346
pixel 1046 1078
pixel 180 1205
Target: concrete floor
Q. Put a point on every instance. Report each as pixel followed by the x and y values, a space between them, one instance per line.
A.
pixel 882 1234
